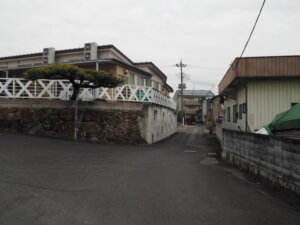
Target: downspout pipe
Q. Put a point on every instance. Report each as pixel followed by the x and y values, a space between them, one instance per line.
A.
pixel 246 101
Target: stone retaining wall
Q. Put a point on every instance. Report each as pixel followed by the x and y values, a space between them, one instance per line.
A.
pixel 98 121
pixel 276 159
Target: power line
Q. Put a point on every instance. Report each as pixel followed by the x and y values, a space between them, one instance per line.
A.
pixel 250 33
pixel 200 83
pixel 205 67
pixel 195 67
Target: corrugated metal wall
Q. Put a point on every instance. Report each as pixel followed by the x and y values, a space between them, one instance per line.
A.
pixel 268 97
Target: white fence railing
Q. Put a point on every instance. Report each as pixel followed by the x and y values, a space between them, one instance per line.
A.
pixel 62 89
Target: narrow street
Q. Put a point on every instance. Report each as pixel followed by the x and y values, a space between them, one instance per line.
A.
pixel 177 181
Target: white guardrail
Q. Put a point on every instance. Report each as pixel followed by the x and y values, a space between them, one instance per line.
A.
pixel 62 89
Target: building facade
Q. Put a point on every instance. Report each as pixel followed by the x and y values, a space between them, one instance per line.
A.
pixel 192 104
pixel 92 56
pixel 255 89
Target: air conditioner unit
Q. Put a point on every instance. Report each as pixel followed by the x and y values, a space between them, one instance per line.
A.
pixel 87 56
pixel 48 56
pixel 87 46
pixel 90 51
pixel 46 51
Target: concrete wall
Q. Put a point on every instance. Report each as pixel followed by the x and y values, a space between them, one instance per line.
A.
pixel 98 121
pixel 276 159
pixel 159 123
pixel 219 132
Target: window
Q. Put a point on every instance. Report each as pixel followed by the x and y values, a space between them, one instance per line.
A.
pixel 235 113
pixel 131 79
pixel 244 107
pixel 148 83
pixel 140 81
pixel 122 77
pixel 155 84
pixel 159 86
pixel 241 111
pixel 228 113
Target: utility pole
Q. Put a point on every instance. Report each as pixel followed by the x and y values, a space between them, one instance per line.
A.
pixel 181 65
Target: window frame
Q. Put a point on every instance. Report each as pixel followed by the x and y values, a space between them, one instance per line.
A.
pixel 228 113
pixel 148 82
pixel 131 79
pixel 234 111
pixel 244 107
pixel 240 111
pixel 123 77
pixel 140 81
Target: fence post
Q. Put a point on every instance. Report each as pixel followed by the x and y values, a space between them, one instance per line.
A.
pixel 55 95
pixel 14 87
pixel 152 95
pixel 35 89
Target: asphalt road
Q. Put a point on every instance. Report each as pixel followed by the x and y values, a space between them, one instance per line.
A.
pixel 177 181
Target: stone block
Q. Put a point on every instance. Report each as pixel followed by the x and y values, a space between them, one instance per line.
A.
pixel 115 122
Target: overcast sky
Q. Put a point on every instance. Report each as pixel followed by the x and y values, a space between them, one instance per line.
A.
pixel 206 34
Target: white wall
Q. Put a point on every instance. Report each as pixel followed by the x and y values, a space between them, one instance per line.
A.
pixel 159 123
pixel 238 98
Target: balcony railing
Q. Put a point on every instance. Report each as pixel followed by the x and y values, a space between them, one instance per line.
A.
pixel 190 111
pixel 190 102
pixel 62 89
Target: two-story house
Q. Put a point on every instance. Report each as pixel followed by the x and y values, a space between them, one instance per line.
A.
pixel 192 103
pixel 92 56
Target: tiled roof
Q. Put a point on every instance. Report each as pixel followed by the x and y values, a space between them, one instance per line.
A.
pixel 200 93
pixel 62 52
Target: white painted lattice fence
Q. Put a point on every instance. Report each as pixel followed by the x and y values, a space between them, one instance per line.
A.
pixel 62 89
